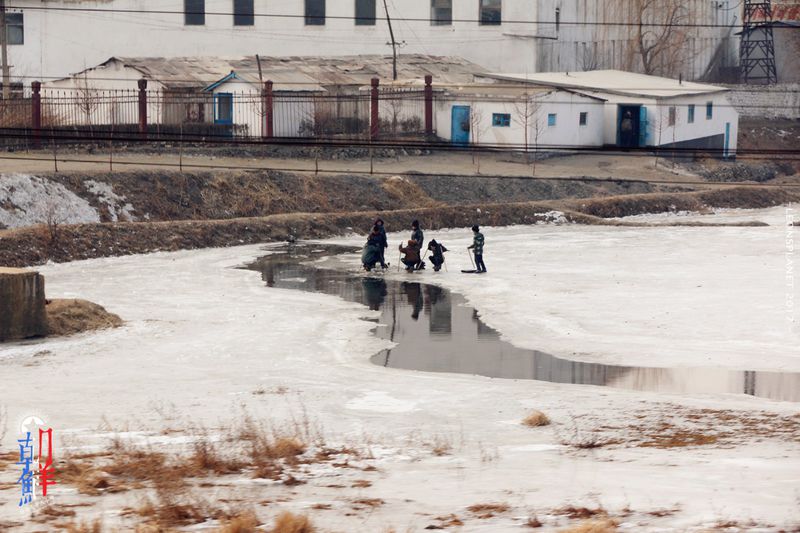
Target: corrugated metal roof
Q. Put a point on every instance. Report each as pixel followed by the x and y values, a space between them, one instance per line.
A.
pixel 614 82
pixel 200 72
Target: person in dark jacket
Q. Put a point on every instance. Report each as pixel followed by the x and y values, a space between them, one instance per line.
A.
pixel 385 243
pixel 372 250
pixel 419 237
pixel 411 255
pixel 437 251
pixel 477 248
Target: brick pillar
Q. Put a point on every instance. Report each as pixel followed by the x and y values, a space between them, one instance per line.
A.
pixel 428 105
pixel 22 311
pixel 36 114
pixel 143 108
pixel 374 129
pixel 269 121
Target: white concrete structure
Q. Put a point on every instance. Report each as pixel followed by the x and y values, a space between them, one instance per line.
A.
pixel 490 115
pixel 662 112
pixel 55 38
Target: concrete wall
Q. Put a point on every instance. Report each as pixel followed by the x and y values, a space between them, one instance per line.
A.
pixel 22 313
pixel 565 133
pixel 58 43
pixel 778 101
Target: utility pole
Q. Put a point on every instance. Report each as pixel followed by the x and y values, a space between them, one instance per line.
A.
pixel 757 48
pixel 4 46
pixel 391 34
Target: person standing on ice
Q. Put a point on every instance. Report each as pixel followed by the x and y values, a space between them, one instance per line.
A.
pixel 419 237
pixel 477 248
pixel 384 243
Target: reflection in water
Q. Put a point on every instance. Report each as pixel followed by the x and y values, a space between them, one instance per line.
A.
pixel 436 331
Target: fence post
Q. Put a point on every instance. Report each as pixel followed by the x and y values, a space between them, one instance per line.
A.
pixel 269 122
pixel 373 120
pixel 36 113
pixel 428 105
pixel 143 108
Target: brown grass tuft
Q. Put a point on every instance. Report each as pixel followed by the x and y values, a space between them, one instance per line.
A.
pixel 488 510
pixel 536 419
pixel 244 522
pixel 67 317
pixel 292 523
pixel 85 527
pixel 533 523
pixel 580 512
pixel 593 526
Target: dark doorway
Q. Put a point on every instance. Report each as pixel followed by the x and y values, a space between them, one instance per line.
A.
pixel 628 125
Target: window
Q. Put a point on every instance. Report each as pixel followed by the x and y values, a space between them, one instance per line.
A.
pixel 501 120
pixel 194 12
pixel 551 119
pixel 491 12
pixel 365 12
pixel 671 116
pixel 558 18
pixel 583 119
pixel 243 13
pixel 315 12
pixel 441 12
pixel 690 118
pixel 709 110
pixel 15 30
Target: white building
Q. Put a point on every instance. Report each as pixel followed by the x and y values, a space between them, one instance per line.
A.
pixel 646 111
pixel 54 38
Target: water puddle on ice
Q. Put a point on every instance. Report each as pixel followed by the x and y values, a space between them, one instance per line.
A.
pixel 436 331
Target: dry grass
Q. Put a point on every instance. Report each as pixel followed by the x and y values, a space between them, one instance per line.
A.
pixel 95 526
pixel 368 502
pixel 488 510
pixel 580 512
pixel 536 419
pixel 68 317
pixel 361 484
pixel 533 523
pixel 450 520
pixel 593 526
pixel 287 522
pixel 244 522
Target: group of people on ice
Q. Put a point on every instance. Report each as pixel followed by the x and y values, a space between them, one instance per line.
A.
pixel 411 253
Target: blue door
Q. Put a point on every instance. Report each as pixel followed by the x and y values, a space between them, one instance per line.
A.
pixel 459 124
pixel 223 108
pixel 726 152
pixel 642 126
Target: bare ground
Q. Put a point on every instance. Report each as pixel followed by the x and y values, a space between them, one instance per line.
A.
pixel 38 244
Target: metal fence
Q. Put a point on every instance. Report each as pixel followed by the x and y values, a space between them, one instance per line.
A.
pixel 91 114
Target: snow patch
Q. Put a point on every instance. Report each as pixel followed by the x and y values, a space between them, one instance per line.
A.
pixel 380 402
pixel 118 208
pixel 552 217
pixel 27 200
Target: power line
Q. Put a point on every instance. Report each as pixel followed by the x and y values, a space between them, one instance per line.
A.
pixel 370 19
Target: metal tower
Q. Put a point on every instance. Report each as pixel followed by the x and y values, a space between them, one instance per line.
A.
pixel 757 48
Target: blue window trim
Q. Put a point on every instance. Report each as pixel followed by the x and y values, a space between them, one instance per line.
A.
pixel 216 108
pixel 690 116
pixel 501 120
pixel 552 119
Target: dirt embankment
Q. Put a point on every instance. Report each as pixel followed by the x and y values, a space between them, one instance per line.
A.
pixel 35 245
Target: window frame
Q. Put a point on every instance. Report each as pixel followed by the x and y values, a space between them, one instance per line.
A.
pixel 501 120
pixel 361 20
pixel 690 114
pixel 20 25
pixel 552 120
pixel 485 21
pixel 189 12
pixel 246 18
pixel 435 21
pixel 672 116
pixel 583 118
pixel 312 19
pixel 709 110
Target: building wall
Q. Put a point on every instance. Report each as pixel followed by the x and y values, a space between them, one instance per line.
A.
pixel 58 43
pixel 779 101
pixel 787 54
pixel 596 43
pixel 565 133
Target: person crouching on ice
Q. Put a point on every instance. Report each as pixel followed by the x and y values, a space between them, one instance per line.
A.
pixel 437 251
pixel 477 248
pixel 411 255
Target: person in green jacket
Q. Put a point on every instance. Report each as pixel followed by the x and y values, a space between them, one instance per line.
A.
pixel 477 248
